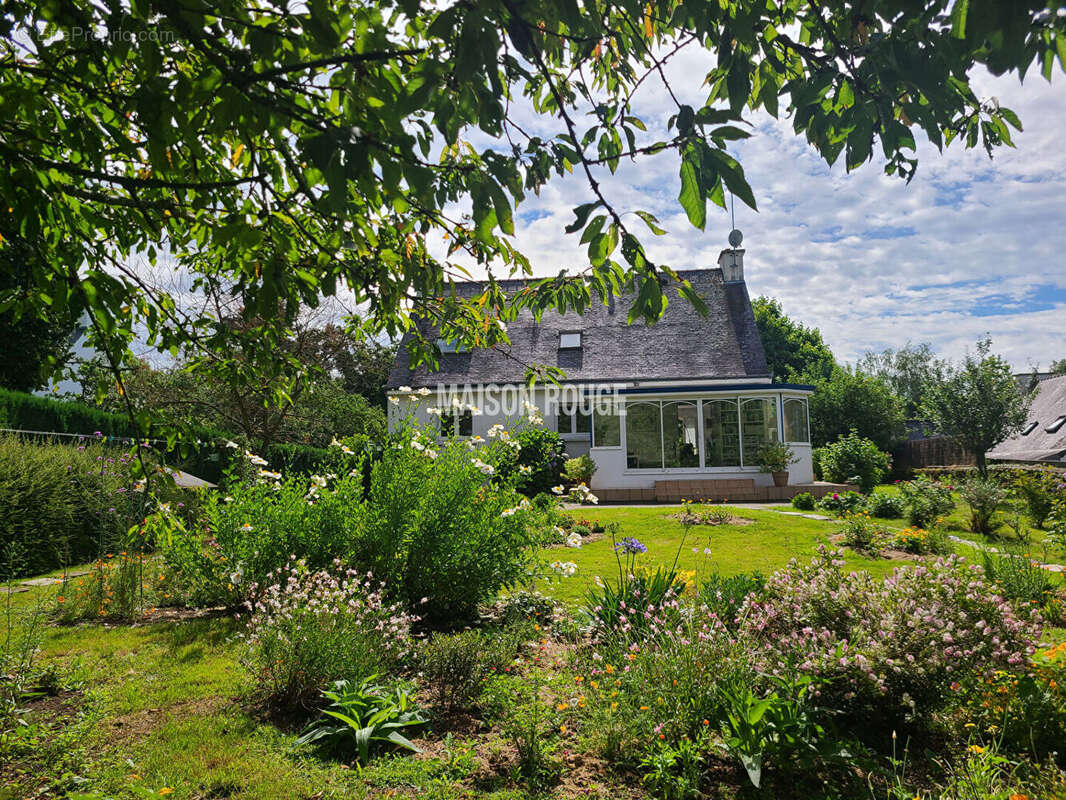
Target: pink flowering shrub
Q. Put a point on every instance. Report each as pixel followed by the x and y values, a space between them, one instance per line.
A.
pixel 893 645
pixel 309 629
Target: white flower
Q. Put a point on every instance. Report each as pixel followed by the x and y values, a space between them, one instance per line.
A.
pixel 525 469
pixel 558 489
pixel 564 568
pixel 436 412
pixel 424 392
pixel 485 468
pixel 227 499
pixel 431 453
pixel 232 445
pixel 257 460
pixel 599 581
pixel 474 411
pixel 394 400
pixel 509 512
pixel 334 443
pixel 246 528
pixel 417 445
pixel 497 430
pixel 319 481
pixel 274 476
pixel 405 389
pixel 559 532
pixel 573 540
pixel 347 450
pixel 456 402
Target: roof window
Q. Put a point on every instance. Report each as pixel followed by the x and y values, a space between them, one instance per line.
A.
pixel 570 340
pixel 1054 426
pixel 451 347
pixel 1029 428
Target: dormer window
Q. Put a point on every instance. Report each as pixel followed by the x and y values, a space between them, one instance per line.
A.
pixel 1054 426
pixel 1029 428
pixel 451 347
pixel 570 340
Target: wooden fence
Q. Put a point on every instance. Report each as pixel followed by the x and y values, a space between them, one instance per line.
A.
pixel 936 451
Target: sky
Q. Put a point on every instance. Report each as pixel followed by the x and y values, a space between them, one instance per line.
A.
pixel 971 247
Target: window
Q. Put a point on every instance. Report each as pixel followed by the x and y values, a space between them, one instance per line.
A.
pixel 570 340
pixel 721 433
pixel 451 347
pixel 461 421
pixel 644 436
pixel 1054 426
pixel 758 426
pixel 1030 428
pixel 796 420
pixel 681 444
pixel 606 430
pixel 573 420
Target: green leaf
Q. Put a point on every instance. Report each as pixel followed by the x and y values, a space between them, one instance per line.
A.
pixel 691 196
pixel 651 222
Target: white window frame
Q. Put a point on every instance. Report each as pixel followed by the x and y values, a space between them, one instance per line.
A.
pixel 570 343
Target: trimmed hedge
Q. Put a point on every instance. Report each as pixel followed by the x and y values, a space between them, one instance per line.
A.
pixel 29 412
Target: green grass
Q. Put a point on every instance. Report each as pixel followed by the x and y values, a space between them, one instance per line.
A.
pixel 766 544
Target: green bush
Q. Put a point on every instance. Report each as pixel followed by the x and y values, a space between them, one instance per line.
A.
pixel 840 504
pixel 1018 577
pixel 64 504
pixel 432 520
pixel 725 596
pixel 984 496
pixel 926 500
pixel 804 501
pixel 534 461
pixel 455 666
pixel 885 505
pixel 580 469
pixel 853 459
pixel 310 628
pixel 1038 489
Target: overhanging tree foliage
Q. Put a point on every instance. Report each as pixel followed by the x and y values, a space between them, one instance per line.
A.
pixel 794 352
pixel 287 150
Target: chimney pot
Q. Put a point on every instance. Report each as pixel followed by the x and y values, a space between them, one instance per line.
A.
pixel 732 264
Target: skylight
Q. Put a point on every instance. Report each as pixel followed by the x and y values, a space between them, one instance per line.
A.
pixel 570 340
pixel 451 347
pixel 1029 428
pixel 1054 426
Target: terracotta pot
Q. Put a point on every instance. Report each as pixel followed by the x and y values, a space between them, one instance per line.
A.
pixel 780 478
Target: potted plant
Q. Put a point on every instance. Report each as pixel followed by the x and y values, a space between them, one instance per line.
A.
pixel 776 458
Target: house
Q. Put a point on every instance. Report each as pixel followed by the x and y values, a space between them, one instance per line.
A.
pixel 1044 436
pixel 676 409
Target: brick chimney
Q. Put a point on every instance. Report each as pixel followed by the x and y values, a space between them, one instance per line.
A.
pixel 732 264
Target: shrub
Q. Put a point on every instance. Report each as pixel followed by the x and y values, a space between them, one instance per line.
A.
pixel 455 666
pixel 853 459
pixel 926 500
pixel 535 464
pixel 64 504
pixel 435 524
pixel 364 717
pixel 804 501
pixel 840 504
pixel 724 596
pixel 523 607
pixel 1038 490
pixel 921 541
pixel 984 496
pixel 862 533
pixel 580 469
pixel 885 505
pixel 309 629
pixel 443 526
pixel 889 647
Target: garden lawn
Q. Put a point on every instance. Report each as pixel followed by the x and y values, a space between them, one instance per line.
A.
pixel 766 544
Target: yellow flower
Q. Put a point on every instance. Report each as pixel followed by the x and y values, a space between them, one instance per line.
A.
pixel 166 790
pixel 976 748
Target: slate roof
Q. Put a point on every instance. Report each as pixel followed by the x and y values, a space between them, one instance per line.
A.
pixel 1048 405
pixel 682 345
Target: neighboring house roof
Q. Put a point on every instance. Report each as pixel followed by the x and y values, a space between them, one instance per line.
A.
pixel 1049 404
pixel 681 345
